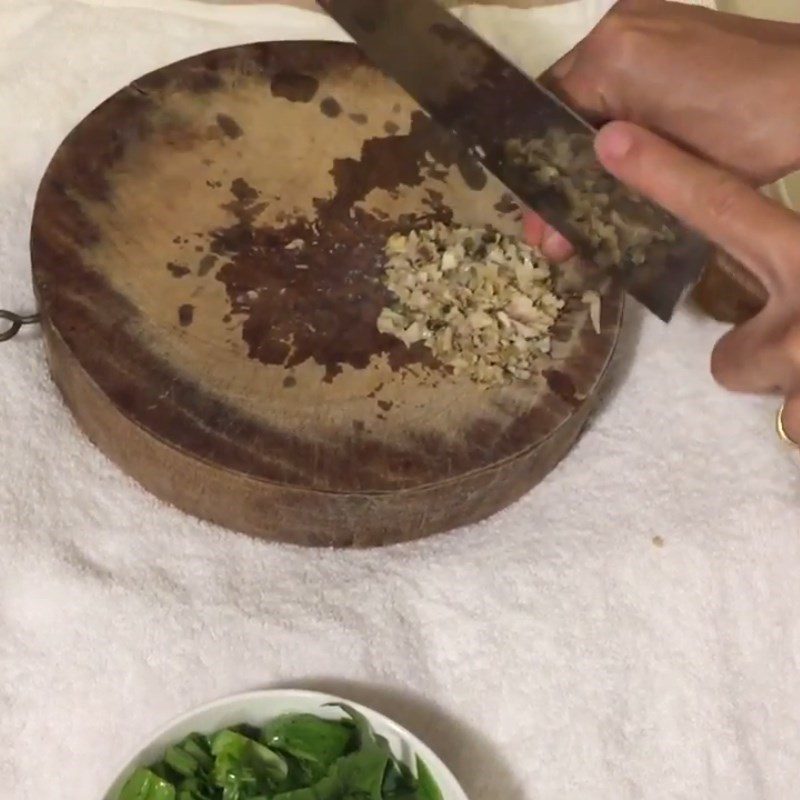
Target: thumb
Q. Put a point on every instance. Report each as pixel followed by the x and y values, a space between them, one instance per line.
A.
pixel 756 231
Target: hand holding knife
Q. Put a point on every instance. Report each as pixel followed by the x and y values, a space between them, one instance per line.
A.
pixel 471 90
pixel 496 110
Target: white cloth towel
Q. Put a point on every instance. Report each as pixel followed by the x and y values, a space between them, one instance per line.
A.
pixel 631 629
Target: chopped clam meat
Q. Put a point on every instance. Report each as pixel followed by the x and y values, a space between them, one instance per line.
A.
pixel 481 301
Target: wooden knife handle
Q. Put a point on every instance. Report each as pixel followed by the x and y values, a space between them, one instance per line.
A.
pixel 729 292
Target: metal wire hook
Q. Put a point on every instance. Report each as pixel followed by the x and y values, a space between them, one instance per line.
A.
pixel 17 321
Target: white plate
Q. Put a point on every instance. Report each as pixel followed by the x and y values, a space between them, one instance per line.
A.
pixel 256 708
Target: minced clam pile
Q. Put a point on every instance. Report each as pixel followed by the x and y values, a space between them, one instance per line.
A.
pixel 612 218
pixel 483 302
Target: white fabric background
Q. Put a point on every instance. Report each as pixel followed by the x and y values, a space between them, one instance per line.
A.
pixel 552 652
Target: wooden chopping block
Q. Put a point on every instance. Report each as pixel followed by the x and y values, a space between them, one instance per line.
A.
pixel 207 251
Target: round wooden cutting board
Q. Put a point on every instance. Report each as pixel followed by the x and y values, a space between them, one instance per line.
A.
pixel 245 381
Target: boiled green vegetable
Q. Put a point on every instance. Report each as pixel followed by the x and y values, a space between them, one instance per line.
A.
pixel 316 743
pixel 293 757
pixel 146 785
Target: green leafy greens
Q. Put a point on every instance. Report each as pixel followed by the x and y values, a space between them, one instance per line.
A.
pixel 293 757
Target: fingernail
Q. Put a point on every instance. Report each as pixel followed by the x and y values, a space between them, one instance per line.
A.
pixel 555 246
pixel 614 142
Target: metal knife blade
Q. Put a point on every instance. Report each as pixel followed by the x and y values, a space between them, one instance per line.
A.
pixel 470 89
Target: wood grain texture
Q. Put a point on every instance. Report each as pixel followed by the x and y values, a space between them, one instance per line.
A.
pixel 728 292
pixel 245 381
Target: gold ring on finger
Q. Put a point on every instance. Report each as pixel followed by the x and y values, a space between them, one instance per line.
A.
pixel 779 426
